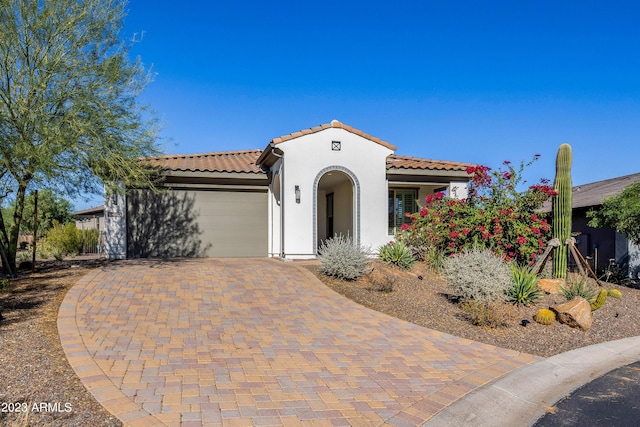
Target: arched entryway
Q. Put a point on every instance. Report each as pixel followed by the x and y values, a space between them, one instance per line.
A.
pixel 337 201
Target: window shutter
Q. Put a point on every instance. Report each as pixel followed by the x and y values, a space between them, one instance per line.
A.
pixel 409 204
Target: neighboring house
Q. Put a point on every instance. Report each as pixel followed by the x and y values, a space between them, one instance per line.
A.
pixel 282 201
pixel 603 244
pixel 90 219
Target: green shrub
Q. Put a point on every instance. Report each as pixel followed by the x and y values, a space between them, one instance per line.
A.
pixel 434 258
pixel 422 250
pixel 524 288
pixel 24 256
pixel 62 240
pixel 342 258
pixel 478 275
pixel 42 253
pixel 396 253
pixel 578 286
pixel 90 237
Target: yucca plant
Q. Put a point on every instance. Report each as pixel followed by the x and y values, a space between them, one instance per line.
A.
pixel 396 253
pixel 578 286
pixel 524 289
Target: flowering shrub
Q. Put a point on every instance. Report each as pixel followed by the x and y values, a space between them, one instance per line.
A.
pixel 495 215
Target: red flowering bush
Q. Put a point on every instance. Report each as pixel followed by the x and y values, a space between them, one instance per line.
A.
pixel 495 215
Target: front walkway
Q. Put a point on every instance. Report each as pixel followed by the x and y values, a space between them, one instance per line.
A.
pixel 258 342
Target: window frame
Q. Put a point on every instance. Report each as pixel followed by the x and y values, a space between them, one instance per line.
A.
pixel 392 197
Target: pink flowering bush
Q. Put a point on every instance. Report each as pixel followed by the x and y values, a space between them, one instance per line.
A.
pixel 495 216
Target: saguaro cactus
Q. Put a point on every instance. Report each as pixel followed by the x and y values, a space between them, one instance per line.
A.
pixel 562 210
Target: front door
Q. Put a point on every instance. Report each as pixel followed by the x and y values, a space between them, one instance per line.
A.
pixel 329 215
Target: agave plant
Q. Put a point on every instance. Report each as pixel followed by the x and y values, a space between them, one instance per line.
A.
pixel 525 289
pixel 396 253
pixel 578 286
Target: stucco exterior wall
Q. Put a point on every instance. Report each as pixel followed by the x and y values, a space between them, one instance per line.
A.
pixel 115 226
pixel 275 211
pixel 308 156
pixel 634 260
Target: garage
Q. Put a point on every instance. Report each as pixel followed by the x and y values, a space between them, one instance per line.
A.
pixel 197 223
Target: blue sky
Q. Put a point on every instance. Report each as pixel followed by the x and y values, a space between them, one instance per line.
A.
pixel 471 81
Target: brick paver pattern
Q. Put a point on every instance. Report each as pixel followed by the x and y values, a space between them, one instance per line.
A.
pixel 258 342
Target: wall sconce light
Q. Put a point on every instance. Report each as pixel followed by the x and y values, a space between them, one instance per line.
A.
pixel 297 194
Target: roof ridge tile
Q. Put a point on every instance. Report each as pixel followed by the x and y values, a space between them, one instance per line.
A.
pixel 334 124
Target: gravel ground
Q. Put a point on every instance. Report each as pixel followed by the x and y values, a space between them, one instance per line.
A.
pixel 35 374
pixel 38 387
pixel 427 302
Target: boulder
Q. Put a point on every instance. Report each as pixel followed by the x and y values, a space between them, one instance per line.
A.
pixel 575 313
pixel 551 286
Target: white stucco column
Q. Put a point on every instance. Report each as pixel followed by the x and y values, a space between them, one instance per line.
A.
pixel 115 225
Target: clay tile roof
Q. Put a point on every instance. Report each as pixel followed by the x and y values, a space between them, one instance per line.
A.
pixel 407 162
pixel 230 161
pixel 593 194
pixel 333 124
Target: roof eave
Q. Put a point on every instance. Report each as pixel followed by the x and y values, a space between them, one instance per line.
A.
pixel 269 156
pixel 428 172
pixel 215 174
pixel 335 124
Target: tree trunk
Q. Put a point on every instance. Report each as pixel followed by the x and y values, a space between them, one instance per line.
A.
pixel 4 243
pixel 35 231
pixel 5 262
pixel 14 231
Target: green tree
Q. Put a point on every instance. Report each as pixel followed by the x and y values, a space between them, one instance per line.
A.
pixel 51 208
pixel 69 112
pixel 621 212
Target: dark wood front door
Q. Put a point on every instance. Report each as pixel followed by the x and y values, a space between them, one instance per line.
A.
pixel 329 215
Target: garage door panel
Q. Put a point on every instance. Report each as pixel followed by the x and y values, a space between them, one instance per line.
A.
pixel 197 223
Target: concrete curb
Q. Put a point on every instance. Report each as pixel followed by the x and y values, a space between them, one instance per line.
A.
pixel 520 398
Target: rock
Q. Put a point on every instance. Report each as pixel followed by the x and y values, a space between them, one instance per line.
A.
pixel 551 286
pixel 575 313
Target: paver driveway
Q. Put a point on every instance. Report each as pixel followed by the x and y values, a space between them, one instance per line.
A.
pixel 258 342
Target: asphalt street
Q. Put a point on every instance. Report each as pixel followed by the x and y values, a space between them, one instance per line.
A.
pixel 611 400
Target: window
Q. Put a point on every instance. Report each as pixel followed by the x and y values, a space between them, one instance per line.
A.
pixel 401 202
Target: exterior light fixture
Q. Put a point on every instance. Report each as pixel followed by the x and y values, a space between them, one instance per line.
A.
pixel 297 194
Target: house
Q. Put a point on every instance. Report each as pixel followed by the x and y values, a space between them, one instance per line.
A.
pixel 90 219
pixel 282 201
pixel 603 245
